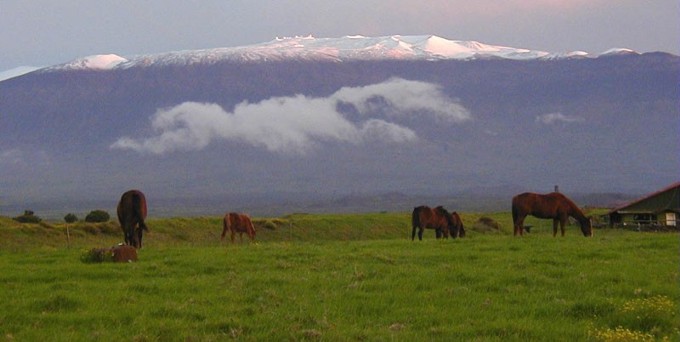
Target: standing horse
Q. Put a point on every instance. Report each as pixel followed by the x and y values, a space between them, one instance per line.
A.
pixel 238 223
pixel 426 217
pixel 131 214
pixel 549 206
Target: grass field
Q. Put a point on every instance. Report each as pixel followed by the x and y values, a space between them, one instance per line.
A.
pixel 338 277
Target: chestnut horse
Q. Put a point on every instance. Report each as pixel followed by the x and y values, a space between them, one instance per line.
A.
pixel 549 206
pixel 438 218
pixel 238 223
pixel 131 214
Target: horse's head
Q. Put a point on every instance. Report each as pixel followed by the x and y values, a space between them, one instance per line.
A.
pixel 587 227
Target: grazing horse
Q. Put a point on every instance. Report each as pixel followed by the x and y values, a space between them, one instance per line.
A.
pixel 131 214
pixel 549 206
pixel 456 226
pixel 426 217
pixel 238 223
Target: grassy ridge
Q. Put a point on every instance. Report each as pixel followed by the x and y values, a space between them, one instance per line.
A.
pixel 339 277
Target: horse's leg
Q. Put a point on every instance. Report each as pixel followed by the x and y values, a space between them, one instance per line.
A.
pixel 224 230
pixel 555 228
pixel 233 235
pixel 563 221
pixel 140 232
pixel 413 233
pixel 519 225
pixel 420 233
pixel 438 233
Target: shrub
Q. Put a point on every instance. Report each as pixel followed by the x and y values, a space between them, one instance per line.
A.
pixel 70 218
pixel 97 255
pixel 486 225
pixel 97 216
pixel 28 217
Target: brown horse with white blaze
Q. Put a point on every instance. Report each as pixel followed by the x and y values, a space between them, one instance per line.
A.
pixel 238 223
pixel 131 214
pixel 425 217
pixel 553 206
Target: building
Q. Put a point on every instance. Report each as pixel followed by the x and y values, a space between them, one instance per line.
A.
pixel 661 208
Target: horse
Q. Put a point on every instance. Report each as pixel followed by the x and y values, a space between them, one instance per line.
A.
pixel 131 214
pixel 238 223
pixel 548 206
pixel 425 217
pixel 457 224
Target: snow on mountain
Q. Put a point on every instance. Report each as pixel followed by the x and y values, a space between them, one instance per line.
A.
pixel 342 49
pixel 619 51
pixel 95 62
pixel 347 48
pixel 16 72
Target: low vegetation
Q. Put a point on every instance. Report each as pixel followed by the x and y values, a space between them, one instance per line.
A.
pixel 338 277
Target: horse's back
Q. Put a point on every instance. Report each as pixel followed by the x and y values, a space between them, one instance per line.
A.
pixel 238 222
pixel 132 207
pixel 540 205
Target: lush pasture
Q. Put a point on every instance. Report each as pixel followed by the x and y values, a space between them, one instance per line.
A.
pixel 338 277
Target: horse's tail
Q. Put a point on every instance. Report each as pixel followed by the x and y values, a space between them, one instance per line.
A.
pixel 138 202
pixel 225 226
pixel 415 221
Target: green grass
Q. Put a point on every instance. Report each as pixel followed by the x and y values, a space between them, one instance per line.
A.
pixel 338 277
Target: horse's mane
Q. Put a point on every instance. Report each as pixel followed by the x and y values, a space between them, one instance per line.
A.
pixel 440 209
pixel 576 211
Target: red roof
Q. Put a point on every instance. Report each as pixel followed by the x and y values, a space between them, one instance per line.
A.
pixel 670 187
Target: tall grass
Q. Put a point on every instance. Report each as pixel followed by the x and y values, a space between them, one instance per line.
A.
pixel 341 277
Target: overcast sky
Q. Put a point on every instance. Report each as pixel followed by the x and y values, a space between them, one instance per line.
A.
pixel 48 32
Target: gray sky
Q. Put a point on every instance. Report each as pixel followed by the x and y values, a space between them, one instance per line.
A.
pixel 47 32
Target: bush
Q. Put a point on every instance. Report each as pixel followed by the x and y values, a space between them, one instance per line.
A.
pixel 70 218
pixel 97 216
pixel 27 217
pixel 486 225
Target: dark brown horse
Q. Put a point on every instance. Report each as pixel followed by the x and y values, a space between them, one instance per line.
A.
pixel 438 218
pixel 131 214
pixel 456 226
pixel 238 223
pixel 549 206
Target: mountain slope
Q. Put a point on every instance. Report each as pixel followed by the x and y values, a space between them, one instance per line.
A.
pixel 301 128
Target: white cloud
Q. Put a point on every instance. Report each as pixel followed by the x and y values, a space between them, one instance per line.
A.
pixel 405 97
pixel 296 124
pixel 552 118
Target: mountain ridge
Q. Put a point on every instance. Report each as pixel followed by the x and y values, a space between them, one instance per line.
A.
pixel 342 49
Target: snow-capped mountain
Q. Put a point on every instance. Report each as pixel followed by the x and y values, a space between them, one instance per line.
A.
pixel 343 49
pixel 353 115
